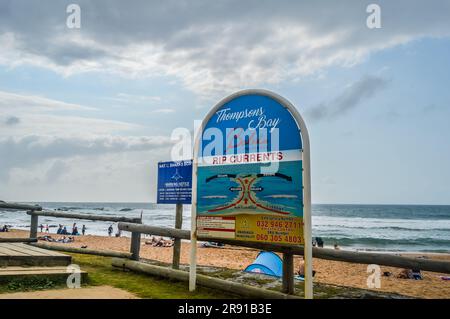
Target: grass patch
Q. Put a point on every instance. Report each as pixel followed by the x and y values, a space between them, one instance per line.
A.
pixel 144 286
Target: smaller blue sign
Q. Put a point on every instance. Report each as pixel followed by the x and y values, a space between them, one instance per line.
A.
pixel 174 182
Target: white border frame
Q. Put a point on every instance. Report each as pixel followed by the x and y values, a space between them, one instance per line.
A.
pixel 306 185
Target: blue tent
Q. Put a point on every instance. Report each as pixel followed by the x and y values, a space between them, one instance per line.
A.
pixel 267 263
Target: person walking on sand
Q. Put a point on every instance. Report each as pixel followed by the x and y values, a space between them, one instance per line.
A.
pixel 83 230
pixel 47 230
pixel 41 227
pixel 110 230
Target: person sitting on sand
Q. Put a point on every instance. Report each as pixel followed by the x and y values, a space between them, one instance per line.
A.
pixel 407 274
pixel 59 230
pixel 151 241
pixel 69 239
pixel 156 241
pixel 64 231
pixel 404 274
pixel 47 238
pixel 301 269
pixel 159 242
pixel 168 243
pixel 416 275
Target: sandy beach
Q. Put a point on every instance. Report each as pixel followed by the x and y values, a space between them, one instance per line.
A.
pixel 330 272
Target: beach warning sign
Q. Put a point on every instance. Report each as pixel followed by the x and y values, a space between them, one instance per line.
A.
pixel 251 175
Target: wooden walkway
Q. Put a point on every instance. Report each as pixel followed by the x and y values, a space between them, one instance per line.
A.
pixel 18 254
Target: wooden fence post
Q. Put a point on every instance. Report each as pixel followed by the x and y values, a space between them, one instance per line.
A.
pixel 288 273
pixel 135 244
pixel 177 242
pixel 34 226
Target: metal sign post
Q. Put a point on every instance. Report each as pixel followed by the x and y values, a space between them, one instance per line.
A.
pixel 251 178
pixel 174 187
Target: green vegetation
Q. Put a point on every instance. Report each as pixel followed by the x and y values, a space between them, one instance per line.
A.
pixel 30 283
pixel 102 273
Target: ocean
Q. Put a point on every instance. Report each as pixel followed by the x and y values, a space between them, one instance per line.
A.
pixel 392 228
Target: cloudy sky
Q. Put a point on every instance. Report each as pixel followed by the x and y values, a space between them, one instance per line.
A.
pixel 85 114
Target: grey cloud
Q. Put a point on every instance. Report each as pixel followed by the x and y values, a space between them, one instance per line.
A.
pixel 352 97
pixel 12 120
pixel 30 150
pixel 214 45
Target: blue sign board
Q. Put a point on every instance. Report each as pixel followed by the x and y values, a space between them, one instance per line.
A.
pixel 174 182
pixel 242 121
pixel 250 171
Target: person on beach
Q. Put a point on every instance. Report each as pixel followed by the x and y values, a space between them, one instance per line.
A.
pixel 64 231
pixel 60 228
pixel 41 227
pixel 160 242
pixel 319 242
pixel 83 230
pixel 336 247
pixel 75 230
pixel 47 230
pixel 110 230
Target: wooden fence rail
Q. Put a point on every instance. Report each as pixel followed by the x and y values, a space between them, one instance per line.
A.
pixel 105 218
pixel 321 253
pixel 16 206
pixel 155 230
pixel 96 252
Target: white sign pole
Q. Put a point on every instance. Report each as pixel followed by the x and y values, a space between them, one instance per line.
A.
pixel 307 216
